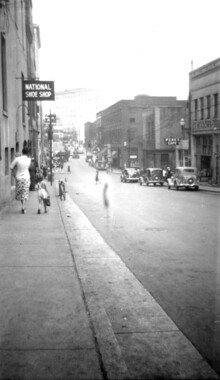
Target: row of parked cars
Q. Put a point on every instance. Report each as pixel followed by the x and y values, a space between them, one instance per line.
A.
pixel 183 177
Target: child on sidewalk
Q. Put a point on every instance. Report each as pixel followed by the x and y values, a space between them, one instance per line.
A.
pixel 42 193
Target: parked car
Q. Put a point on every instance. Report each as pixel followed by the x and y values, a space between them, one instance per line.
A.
pixel 184 177
pixel 151 175
pixel 129 175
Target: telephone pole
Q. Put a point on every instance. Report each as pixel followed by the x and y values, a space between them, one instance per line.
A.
pixel 51 118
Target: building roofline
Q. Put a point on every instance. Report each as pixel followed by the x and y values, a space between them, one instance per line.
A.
pixel 205 68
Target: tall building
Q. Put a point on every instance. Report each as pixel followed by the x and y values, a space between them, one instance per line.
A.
pixel 75 107
pixel 18 118
pixel 205 120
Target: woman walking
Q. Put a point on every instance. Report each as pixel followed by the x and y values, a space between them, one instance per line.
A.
pixel 22 175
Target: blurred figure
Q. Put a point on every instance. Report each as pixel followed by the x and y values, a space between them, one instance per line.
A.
pixel 105 195
pixel 97 177
pixel 45 171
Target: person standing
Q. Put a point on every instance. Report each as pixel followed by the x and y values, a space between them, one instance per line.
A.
pixel 43 194
pixel 22 176
pixel 33 171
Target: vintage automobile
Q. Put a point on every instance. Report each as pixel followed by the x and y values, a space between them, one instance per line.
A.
pixel 151 175
pixel 129 175
pixel 184 177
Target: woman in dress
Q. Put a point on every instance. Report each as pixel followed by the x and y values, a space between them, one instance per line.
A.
pixel 22 175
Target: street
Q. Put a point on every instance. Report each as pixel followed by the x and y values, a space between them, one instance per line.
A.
pixel 168 239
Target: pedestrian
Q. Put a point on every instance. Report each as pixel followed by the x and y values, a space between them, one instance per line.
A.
pixel 169 173
pixel 45 171
pixel 33 171
pixel 97 177
pixel 62 190
pixel 21 166
pixel 42 193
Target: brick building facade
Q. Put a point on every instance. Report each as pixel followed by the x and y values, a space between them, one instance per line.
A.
pixel 144 131
pixel 205 120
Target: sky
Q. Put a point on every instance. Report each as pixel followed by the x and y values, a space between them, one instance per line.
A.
pixel 126 47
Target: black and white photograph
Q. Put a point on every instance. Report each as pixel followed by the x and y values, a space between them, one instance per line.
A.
pixel 109 190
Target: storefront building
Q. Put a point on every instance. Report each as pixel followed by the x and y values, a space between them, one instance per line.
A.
pixel 18 118
pixel 141 132
pixel 166 134
pixel 205 120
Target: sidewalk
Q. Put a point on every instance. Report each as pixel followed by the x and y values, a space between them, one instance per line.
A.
pixel 71 309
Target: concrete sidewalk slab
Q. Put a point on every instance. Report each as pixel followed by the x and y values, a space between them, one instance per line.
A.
pixel 45 329
pixel 71 309
pixel 137 339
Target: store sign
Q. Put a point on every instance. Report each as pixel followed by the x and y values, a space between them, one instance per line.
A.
pixel 172 140
pixel 37 90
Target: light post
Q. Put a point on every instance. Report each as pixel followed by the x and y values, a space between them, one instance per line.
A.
pixel 182 124
pixel 125 146
pixel 51 118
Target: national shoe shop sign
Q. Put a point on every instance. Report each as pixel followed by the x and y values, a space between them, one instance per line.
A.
pixel 37 90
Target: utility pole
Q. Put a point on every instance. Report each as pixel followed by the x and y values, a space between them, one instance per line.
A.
pixel 190 130
pixel 51 140
pixel 52 120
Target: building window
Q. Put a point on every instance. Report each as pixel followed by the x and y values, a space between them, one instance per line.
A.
pixel 202 108
pixel 215 106
pixel 132 120
pixel 207 145
pixel 12 158
pixel 196 108
pixel 4 74
pixel 6 162
pixel 208 106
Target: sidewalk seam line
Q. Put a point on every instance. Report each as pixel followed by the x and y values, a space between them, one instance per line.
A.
pixel 101 363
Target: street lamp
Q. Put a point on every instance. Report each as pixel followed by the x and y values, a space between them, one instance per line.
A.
pixel 125 146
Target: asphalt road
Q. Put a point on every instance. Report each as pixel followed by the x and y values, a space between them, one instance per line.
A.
pixel 169 239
